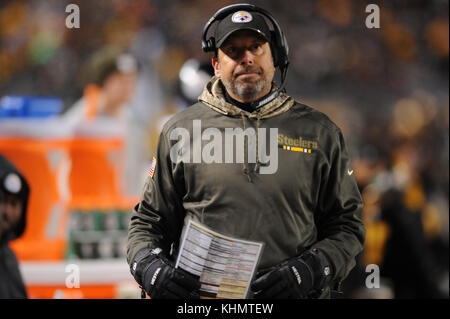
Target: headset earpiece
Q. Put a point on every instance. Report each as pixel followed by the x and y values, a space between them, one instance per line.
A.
pixel 209 45
pixel 275 50
pixel 284 45
pixel 283 51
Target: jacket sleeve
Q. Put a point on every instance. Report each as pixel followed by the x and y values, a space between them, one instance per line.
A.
pixel 157 220
pixel 341 232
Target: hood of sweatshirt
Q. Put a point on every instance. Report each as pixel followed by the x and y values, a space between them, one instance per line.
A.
pixel 214 97
pixel 8 172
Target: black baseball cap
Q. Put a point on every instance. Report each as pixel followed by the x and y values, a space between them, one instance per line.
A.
pixel 241 20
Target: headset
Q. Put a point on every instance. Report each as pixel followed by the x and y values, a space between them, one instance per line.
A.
pixel 279 45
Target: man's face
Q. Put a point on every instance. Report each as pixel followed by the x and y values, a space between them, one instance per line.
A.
pixel 245 66
pixel 10 212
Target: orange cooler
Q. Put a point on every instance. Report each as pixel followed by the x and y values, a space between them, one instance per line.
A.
pixel 40 150
pixel 95 179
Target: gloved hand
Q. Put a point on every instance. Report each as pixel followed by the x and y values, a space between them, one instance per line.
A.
pixel 295 278
pixel 160 279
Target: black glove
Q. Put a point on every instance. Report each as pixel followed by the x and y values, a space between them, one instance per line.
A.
pixel 160 279
pixel 297 278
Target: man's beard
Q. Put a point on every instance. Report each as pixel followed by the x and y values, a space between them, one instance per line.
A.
pixel 247 90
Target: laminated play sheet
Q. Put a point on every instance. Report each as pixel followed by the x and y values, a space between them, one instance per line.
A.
pixel 224 264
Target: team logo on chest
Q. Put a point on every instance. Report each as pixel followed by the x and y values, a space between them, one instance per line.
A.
pixel 296 144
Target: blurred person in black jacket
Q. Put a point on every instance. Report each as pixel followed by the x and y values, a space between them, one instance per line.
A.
pixel 14 192
pixel 408 259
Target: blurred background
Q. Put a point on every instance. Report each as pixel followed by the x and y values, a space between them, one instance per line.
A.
pixel 81 110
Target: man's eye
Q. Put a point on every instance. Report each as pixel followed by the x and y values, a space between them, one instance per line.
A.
pixel 256 48
pixel 230 50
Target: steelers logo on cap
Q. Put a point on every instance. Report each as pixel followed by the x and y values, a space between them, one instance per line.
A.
pixel 12 183
pixel 241 17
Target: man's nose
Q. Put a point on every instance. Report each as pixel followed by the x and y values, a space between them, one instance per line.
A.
pixel 247 57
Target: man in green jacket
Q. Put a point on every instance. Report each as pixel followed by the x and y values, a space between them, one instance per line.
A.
pixel 287 181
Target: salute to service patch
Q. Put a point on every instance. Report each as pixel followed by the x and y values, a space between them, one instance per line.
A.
pixel 152 168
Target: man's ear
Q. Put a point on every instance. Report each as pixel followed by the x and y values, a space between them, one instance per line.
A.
pixel 215 64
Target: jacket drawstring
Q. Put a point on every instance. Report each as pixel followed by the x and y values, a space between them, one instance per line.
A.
pixel 258 162
pixel 256 170
pixel 245 168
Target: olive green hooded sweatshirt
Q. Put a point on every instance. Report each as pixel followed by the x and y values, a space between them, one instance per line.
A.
pixel 304 195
